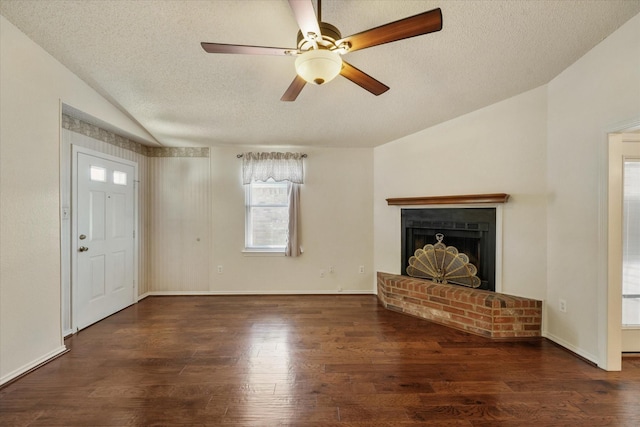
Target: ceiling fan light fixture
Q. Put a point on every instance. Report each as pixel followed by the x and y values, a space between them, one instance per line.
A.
pixel 318 66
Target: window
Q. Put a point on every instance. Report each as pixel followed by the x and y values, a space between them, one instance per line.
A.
pixel 119 178
pixel 267 215
pixel 631 244
pixel 98 174
pixel 272 182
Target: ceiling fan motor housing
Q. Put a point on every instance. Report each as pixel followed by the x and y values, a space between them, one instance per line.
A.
pixel 327 39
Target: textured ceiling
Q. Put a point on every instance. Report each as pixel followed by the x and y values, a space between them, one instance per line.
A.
pixel 145 57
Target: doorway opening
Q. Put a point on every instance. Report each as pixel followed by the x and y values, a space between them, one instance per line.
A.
pixel 72 244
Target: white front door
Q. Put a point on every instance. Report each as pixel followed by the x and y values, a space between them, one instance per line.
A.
pixel 103 238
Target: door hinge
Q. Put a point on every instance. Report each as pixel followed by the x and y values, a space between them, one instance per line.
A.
pixel 134 234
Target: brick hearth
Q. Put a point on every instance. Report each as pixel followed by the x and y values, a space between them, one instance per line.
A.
pixel 485 313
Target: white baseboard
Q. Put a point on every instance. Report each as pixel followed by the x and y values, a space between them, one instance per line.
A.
pixel 584 354
pixel 32 365
pixel 296 292
pixel 143 296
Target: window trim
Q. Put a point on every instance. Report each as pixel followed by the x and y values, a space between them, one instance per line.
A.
pixel 257 252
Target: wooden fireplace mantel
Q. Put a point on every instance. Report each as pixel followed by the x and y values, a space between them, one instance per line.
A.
pixel 450 200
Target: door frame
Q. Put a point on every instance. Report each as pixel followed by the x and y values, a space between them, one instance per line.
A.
pixel 75 150
pixel 617 157
pixel 609 294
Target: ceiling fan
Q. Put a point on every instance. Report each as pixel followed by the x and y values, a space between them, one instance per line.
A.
pixel 321 46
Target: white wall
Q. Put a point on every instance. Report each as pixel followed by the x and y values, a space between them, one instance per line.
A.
pixel 587 100
pixel 498 149
pixel 196 223
pixel 336 226
pixel 33 85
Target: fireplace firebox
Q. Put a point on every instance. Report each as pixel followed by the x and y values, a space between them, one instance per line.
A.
pixel 471 230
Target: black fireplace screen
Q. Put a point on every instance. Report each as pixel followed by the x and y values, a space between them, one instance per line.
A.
pixel 471 230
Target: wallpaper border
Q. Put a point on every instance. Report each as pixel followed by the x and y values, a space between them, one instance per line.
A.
pixel 76 125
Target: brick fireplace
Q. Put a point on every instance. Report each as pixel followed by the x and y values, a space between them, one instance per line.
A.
pixel 485 313
pixel 473 231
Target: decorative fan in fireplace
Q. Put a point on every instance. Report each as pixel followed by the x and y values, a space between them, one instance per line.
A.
pixel 443 264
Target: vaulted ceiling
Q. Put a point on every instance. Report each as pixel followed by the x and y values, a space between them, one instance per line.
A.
pixel 145 57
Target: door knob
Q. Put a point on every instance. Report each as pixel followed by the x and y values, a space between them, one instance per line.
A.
pixel 83 249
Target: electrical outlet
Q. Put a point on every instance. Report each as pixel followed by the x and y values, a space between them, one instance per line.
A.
pixel 322 272
pixel 361 269
pixel 331 270
pixel 563 306
pixel 219 269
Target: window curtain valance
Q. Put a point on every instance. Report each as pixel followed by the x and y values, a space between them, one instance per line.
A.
pixel 278 166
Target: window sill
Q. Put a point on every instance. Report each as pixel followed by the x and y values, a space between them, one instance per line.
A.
pixel 262 252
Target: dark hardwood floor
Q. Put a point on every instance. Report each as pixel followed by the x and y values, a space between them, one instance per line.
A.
pixel 309 361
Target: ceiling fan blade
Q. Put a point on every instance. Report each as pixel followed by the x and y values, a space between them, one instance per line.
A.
pixel 422 23
pixel 305 16
pixel 363 79
pixel 248 50
pixel 294 89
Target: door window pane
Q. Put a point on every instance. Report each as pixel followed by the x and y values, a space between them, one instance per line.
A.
pixel 98 174
pixel 119 178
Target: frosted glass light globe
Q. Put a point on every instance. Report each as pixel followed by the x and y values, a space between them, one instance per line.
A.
pixel 318 66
